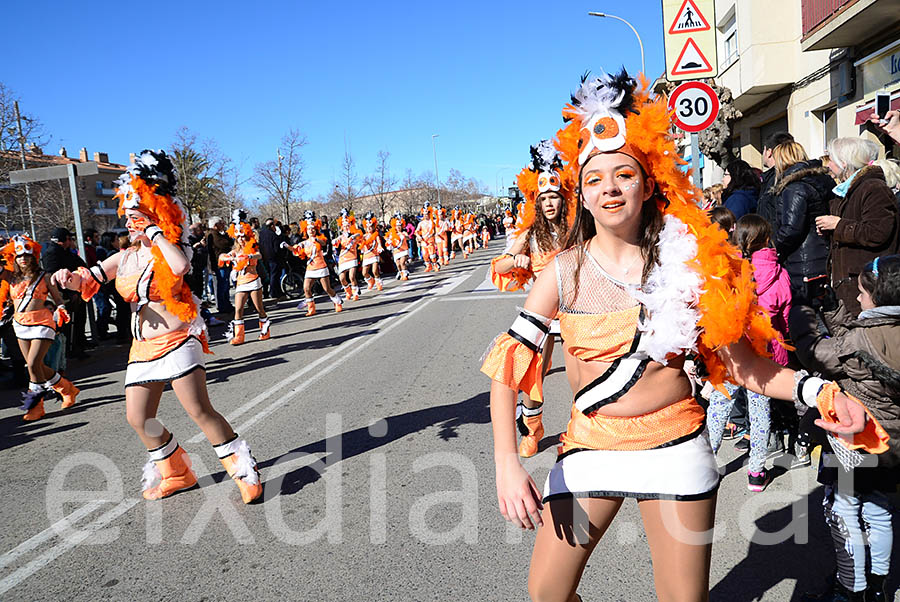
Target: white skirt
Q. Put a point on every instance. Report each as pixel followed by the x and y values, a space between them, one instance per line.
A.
pixel 178 362
pixel 320 273
pixel 249 287
pixel 346 265
pixel 401 254
pixel 370 261
pixel 30 333
pixel 684 471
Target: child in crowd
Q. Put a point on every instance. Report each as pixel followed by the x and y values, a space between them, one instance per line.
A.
pixel 863 354
pixel 752 236
pixel 723 217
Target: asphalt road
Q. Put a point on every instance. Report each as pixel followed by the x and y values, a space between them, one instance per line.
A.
pixel 372 430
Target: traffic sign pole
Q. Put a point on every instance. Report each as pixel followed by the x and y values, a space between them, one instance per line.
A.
pixel 695 160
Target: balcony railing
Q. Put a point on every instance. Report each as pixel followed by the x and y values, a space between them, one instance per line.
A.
pixel 816 12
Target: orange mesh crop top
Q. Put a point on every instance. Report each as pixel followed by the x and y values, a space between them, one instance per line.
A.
pixel 599 323
pixel 30 288
pixel 127 286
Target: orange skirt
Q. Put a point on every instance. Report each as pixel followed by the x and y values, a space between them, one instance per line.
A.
pixel 37 324
pixel 165 358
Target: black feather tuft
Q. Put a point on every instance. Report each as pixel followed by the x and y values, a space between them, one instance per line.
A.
pixel 626 83
pixel 161 177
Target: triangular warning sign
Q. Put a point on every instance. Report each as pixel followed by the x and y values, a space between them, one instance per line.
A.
pixel 689 19
pixel 691 60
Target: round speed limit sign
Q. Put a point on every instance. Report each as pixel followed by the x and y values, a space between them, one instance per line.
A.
pixel 695 106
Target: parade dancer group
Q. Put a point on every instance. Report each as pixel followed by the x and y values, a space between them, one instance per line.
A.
pixel 640 280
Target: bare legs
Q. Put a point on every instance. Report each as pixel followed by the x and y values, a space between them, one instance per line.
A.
pixel 679 534
pixel 240 301
pixel 34 351
pixel 142 403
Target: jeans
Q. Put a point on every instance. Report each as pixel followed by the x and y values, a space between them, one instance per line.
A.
pixel 223 286
pixel 758 405
pixel 104 310
pixel 848 517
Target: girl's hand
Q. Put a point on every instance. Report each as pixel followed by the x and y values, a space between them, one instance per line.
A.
pixel 851 417
pixel 66 279
pixel 517 494
pixel 522 261
pixel 826 223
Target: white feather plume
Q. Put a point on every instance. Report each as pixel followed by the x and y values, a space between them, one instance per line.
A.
pixel 671 293
pixel 151 476
pixel 597 95
pixel 245 464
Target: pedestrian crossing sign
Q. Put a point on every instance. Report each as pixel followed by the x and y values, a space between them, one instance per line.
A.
pixel 689 19
pixel 690 39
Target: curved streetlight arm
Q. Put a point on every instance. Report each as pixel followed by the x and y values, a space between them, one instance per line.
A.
pixel 640 43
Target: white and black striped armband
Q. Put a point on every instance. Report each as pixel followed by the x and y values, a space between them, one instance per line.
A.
pixel 99 274
pixel 807 387
pixel 530 329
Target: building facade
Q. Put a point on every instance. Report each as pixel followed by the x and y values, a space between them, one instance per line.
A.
pixel 809 67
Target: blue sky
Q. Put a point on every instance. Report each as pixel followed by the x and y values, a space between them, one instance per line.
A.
pixel 489 77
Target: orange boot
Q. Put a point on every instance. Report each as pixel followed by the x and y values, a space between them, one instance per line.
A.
pixel 531 427
pixel 33 402
pixel 355 291
pixel 264 325
pixel 241 466
pixel 235 335
pixel 379 284
pixel 338 306
pixel 370 283
pixel 310 307
pixel 168 471
pixel 65 388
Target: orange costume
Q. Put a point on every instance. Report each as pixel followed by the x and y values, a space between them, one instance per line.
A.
pixel 442 236
pixel 397 241
pixel 698 298
pixel 147 190
pixel 312 249
pixel 370 246
pixel 348 258
pixel 34 324
pixel 244 275
pixel 425 232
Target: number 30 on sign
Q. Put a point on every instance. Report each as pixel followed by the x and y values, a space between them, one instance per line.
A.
pixel 695 106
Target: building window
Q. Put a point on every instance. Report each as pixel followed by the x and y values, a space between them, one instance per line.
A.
pixel 728 35
pixel 98 186
pixel 830 121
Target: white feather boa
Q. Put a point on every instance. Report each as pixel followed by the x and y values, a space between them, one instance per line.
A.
pixel 245 464
pixel 671 293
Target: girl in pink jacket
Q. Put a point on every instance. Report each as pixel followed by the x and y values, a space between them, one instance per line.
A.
pixel 773 287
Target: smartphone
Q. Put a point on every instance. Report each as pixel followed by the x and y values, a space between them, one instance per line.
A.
pixel 882 104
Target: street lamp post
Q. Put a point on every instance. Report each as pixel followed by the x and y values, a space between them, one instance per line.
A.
pixel 594 14
pixel 437 180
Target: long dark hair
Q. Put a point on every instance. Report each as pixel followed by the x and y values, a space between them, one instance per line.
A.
pixel 543 229
pixel 742 178
pixel 752 233
pixel 31 271
pixel 651 225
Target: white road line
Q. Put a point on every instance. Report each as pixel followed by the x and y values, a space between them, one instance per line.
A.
pixel 324 359
pixel 50 532
pixel 348 349
pixel 498 296
pixel 64 546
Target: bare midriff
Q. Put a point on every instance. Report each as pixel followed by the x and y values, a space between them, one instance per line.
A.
pixel 660 386
pixel 155 318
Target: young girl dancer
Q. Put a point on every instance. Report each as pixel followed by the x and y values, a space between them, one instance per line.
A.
pixel 442 236
pixel 425 231
pixel 752 236
pixel 38 311
pixel 543 222
pixel 348 244
pixel 169 335
pixel 485 237
pixel 243 259
pixel 643 278
pixel 397 241
pixel 370 245
pixel 863 353
pixel 312 249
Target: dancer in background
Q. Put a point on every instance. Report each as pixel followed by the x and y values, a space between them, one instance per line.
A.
pixel 442 236
pixel 38 312
pixel 169 335
pixel 312 249
pixel 425 232
pixel 397 240
pixel 243 260
pixel 371 248
pixel 348 244
pixel 544 219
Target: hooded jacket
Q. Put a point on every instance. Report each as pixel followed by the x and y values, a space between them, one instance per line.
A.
pixel 741 202
pixel 863 356
pixel 773 287
pixel 803 194
pixel 868 228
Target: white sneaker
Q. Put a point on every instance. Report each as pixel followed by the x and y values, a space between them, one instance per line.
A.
pixel 214 321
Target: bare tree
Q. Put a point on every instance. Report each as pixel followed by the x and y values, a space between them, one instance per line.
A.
pixel 283 179
pixel 346 188
pixel 381 183
pixel 201 166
